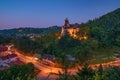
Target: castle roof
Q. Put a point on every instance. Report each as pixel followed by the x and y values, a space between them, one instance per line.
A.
pixel 73 26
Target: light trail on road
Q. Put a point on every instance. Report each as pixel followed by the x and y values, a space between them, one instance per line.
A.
pixel 37 64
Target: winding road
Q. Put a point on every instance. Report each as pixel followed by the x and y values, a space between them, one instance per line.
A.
pixel 45 70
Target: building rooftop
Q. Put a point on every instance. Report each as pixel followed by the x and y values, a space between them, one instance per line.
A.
pixel 2 48
pixel 8 56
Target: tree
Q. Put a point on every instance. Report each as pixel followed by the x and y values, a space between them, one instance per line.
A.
pixel 112 73
pixel 85 73
pixel 16 72
pixel 64 75
pixel 117 41
pixel 100 70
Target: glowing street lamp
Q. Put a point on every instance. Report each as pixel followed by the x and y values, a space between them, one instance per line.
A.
pixel 36 58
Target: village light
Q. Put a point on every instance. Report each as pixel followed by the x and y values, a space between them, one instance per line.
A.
pixel 36 58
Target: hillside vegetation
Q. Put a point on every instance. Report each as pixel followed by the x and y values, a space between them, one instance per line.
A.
pixel 21 31
pixel 106 29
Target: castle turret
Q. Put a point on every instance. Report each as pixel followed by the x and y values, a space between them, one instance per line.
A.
pixel 65 26
pixel 66 23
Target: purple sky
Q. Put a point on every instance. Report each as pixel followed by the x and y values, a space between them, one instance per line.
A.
pixel 45 13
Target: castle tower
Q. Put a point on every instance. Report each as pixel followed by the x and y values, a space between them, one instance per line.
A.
pixel 65 26
pixel 69 29
pixel 66 23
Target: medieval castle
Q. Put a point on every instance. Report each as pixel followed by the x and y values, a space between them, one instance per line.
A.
pixel 71 30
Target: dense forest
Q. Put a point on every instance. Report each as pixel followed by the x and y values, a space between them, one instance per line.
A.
pixel 106 29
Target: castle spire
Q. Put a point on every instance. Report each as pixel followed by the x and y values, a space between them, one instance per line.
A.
pixel 66 22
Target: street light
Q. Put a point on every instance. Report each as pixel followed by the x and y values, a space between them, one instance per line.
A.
pixel 36 58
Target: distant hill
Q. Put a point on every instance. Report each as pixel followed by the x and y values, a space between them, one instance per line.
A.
pixel 108 20
pixel 41 31
pixel 106 29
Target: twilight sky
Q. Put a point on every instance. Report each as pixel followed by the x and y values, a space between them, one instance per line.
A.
pixel 45 13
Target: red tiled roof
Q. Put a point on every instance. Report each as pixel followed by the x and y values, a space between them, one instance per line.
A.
pixel 15 62
pixel 74 26
pixel 8 56
pixel 11 63
pixel 12 55
pixel 18 62
pixel 4 57
pixel 2 48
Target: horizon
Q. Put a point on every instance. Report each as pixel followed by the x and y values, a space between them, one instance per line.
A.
pixel 47 13
pixel 30 27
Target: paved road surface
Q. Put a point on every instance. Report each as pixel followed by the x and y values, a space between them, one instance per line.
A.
pixel 45 70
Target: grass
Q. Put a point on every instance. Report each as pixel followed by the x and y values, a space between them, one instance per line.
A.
pixel 102 60
pixel 104 55
pixel 107 52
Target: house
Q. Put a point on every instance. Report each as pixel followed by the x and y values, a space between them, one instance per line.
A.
pixel 13 57
pixel 4 59
pixel 37 55
pixel 70 57
pixel 48 59
pixel 117 56
pixel 7 61
pixel 2 48
pixel 8 58
pixel 3 51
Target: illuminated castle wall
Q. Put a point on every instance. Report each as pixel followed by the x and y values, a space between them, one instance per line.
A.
pixel 70 29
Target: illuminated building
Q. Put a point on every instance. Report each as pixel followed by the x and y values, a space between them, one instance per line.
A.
pixel 70 29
